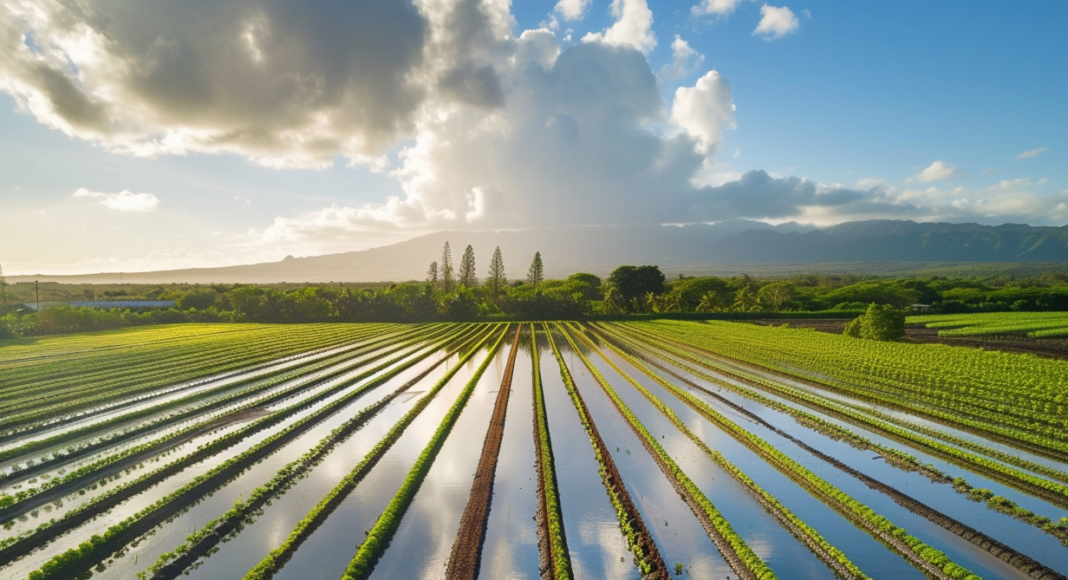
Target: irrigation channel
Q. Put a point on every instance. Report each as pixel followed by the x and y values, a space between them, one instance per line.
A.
pixel 641 450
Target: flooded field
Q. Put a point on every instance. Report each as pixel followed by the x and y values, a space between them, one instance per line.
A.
pixel 526 451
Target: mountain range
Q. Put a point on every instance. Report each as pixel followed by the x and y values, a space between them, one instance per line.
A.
pixel 690 249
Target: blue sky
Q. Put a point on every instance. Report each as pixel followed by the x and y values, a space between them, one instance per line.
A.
pixel 927 111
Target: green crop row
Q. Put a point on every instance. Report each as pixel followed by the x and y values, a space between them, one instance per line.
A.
pixel 289 474
pixel 820 546
pixel 646 559
pixel 274 561
pixel 9 500
pixel 150 425
pixel 379 536
pixel 754 567
pixel 1021 480
pixel 558 552
pixel 894 457
pixel 159 371
pixel 99 545
pixel 1018 398
pixel 918 553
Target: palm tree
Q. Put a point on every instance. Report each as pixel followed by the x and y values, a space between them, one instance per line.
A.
pixel 610 304
pixel 709 302
pixel 746 300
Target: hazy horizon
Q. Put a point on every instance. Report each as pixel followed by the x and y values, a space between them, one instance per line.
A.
pixel 197 135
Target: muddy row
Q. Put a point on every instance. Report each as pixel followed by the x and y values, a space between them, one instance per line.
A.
pixel 467 550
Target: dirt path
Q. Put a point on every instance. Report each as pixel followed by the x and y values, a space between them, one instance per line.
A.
pixel 467 550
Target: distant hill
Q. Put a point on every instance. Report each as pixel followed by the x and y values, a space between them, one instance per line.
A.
pixel 692 249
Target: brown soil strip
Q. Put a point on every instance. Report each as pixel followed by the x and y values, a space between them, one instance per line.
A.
pixel 467 550
pixel 1015 559
pixel 613 481
pixel 717 538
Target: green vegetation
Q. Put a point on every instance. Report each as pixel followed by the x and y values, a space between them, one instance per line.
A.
pixel 112 438
pixel 879 322
pixel 372 548
pixel 550 510
pixel 1033 324
pixel 741 557
pixel 646 556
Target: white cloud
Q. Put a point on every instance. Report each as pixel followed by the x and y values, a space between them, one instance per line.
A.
pixel 684 60
pixel 776 22
pixel 704 110
pixel 988 170
pixel 281 85
pixel 937 171
pixel 572 9
pixel 717 7
pixel 122 201
pixel 633 27
pixel 1032 153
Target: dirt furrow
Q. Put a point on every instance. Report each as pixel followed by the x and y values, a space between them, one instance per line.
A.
pixel 467 550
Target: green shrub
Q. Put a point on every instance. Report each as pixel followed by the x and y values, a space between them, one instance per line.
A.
pixel 883 322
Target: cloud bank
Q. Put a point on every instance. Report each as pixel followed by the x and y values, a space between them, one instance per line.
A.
pixel 483 125
pixel 122 201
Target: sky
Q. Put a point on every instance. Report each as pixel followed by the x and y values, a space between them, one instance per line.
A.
pixel 163 134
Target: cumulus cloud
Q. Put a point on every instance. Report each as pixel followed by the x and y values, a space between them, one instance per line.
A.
pixel 572 9
pixel 937 171
pixel 684 60
pixel 284 84
pixel 122 201
pixel 716 7
pixel 633 27
pixel 775 22
pixel 704 110
pixel 1032 153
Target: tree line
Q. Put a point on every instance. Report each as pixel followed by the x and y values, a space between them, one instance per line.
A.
pixel 455 293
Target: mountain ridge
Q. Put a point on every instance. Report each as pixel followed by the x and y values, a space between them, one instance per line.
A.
pixel 599 249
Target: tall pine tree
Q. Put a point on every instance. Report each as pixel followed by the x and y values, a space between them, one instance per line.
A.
pixel 446 267
pixel 432 274
pixel 497 279
pixel 537 272
pixel 468 277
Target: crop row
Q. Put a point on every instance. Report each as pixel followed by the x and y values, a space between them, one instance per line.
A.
pixel 270 564
pixel 136 453
pixel 1003 394
pixel 819 546
pixel 244 510
pixel 1014 558
pixel 893 456
pixel 155 374
pixel 464 560
pixel 279 376
pixel 214 477
pixel 552 542
pixel 735 551
pixel 919 554
pixel 379 536
pixel 639 541
pixel 1030 483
